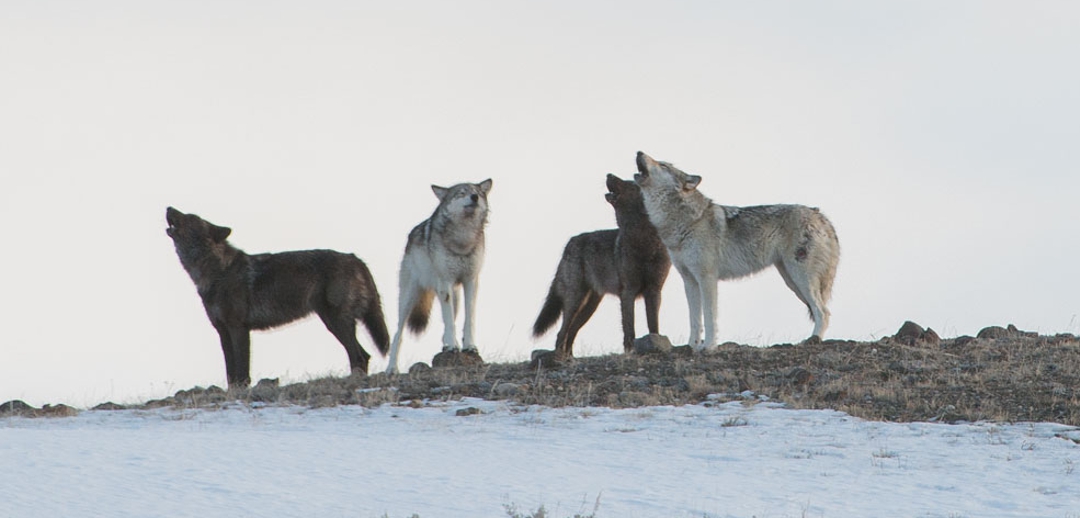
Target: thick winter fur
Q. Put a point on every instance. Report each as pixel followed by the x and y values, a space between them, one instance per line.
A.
pixel 630 262
pixel 242 292
pixel 710 242
pixel 444 253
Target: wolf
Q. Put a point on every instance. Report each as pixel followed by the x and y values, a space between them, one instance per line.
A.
pixel 443 252
pixel 710 242
pixel 242 292
pixel 630 262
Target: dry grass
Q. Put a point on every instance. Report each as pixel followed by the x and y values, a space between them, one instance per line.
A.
pixel 1016 378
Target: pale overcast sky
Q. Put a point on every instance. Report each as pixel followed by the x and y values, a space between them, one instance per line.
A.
pixel 941 138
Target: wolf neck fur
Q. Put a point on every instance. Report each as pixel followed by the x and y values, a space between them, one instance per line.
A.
pixel 204 269
pixel 674 216
pixel 461 236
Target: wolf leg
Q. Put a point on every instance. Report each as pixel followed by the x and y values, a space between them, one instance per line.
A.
pixel 652 308
pixel 227 350
pixel 797 278
pixel 626 306
pixel 693 302
pixel 240 339
pixel 584 313
pixel 708 302
pixel 446 302
pixel 395 344
pixel 409 297
pixel 470 287
pixel 343 327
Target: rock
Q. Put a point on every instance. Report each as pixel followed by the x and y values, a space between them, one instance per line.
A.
pixel 159 403
pixel 993 333
pixel 419 368
pixel 57 411
pixel 909 333
pixel 265 391
pixel 930 337
pixel 462 412
pixel 507 389
pixel 682 351
pixel 963 340
pixel 800 376
pixel 543 359
pixel 453 358
pixel 108 406
pixel 652 344
pixel 1016 332
pixel 16 407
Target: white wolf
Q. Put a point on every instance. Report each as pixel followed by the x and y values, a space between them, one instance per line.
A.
pixel 710 242
pixel 443 253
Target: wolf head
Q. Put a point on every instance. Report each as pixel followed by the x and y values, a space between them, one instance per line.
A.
pixel 464 201
pixel 624 195
pixel 654 176
pixel 196 239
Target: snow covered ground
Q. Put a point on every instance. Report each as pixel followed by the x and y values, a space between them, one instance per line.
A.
pixel 734 459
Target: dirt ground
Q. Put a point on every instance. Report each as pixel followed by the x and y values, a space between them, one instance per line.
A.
pixel 1003 375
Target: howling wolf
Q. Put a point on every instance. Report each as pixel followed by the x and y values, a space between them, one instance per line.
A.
pixel 630 262
pixel 443 252
pixel 242 292
pixel 710 242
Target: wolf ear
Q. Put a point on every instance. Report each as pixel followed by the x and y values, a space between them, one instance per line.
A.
pixel 440 192
pixel 219 234
pixel 691 183
pixel 485 186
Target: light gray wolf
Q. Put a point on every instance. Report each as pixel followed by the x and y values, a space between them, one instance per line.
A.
pixel 630 262
pixel 443 253
pixel 710 242
pixel 241 292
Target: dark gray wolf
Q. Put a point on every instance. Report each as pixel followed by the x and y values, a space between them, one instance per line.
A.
pixel 242 292
pixel 710 242
pixel 630 262
pixel 443 253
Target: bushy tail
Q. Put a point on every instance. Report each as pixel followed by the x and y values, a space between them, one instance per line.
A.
pixel 549 314
pixel 376 325
pixel 421 312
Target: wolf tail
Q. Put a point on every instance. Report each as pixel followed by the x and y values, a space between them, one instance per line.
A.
pixel 376 325
pixel 549 314
pixel 421 312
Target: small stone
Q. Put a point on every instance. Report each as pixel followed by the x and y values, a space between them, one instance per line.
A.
pixel 993 333
pixel 652 344
pixel 57 411
pixel 16 407
pixel 800 376
pixel 909 333
pixel 507 389
pixel 462 412
pixel 455 358
pixel 543 359
pixel 930 337
pixel 109 406
pixel 265 391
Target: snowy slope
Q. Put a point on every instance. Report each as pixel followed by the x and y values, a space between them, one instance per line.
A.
pixel 732 459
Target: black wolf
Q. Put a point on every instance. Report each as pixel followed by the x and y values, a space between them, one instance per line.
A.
pixel 630 262
pixel 242 292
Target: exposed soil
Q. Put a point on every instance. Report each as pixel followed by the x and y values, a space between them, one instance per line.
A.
pixel 1004 375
